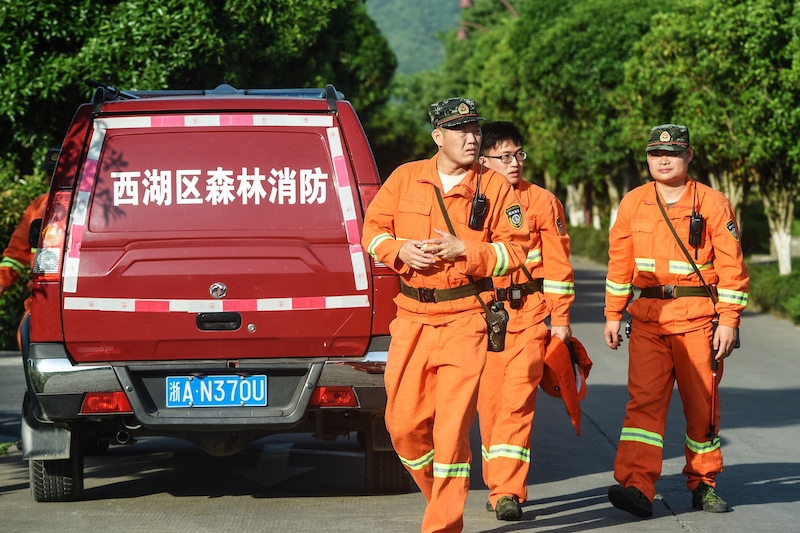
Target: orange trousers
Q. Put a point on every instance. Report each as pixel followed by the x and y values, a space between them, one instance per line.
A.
pixel 432 375
pixel 656 362
pixel 506 401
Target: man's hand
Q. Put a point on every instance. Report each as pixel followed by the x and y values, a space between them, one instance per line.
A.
pixel 611 334
pixel 449 247
pixel 724 340
pixel 416 254
pixel 562 332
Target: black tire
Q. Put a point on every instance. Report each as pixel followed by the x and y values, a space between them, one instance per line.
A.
pixel 59 480
pixel 385 474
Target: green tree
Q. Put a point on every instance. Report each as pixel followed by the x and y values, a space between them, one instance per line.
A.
pixel 728 69
pixel 51 47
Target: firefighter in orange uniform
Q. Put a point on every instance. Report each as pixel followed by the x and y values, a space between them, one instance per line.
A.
pixel 19 255
pixel 544 287
pixel 439 336
pixel 691 301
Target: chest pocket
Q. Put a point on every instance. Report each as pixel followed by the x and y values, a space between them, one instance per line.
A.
pixel 643 234
pixel 413 219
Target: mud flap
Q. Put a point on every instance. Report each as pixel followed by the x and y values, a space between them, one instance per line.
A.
pixel 42 441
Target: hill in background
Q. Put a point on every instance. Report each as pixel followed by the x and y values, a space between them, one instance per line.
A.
pixel 412 28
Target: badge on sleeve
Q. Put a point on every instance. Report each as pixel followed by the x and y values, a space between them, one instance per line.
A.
pixel 560 226
pixel 732 229
pixel 514 215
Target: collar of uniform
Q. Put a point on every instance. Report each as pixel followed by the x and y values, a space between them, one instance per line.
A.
pixel 523 195
pixel 465 188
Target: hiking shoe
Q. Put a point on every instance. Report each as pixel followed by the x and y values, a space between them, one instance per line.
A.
pixel 704 497
pixel 508 509
pixel 489 506
pixel 630 499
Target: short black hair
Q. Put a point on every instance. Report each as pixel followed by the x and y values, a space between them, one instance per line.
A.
pixel 495 133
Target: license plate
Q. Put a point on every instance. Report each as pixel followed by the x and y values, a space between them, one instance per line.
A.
pixel 216 391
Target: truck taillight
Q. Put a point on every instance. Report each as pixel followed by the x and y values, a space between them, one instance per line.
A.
pixel 49 255
pixel 105 402
pixel 333 397
pixel 367 193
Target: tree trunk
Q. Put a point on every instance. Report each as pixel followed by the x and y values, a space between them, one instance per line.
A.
pixel 779 197
pixel 782 241
pixel 614 196
pixel 728 184
pixel 574 205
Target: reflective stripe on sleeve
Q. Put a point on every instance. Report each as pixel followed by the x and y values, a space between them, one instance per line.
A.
pixel 373 244
pixel 732 297
pixel 534 256
pixel 12 264
pixel 558 287
pixel 501 266
pixel 618 289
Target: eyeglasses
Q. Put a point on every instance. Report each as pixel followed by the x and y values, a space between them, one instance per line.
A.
pixel 507 158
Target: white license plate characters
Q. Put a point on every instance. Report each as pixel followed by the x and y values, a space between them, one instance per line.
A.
pixel 216 391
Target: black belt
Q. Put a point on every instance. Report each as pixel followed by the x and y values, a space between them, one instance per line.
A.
pixel 421 294
pixel 668 292
pixel 527 288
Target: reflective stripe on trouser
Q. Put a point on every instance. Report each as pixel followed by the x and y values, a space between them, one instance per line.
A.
pixel 435 369
pixel 655 363
pixel 506 400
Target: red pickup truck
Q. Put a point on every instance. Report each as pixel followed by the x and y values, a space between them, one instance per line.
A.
pixel 199 275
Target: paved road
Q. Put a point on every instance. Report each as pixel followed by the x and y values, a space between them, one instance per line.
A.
pixel 293 483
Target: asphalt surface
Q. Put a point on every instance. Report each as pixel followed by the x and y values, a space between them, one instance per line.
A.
pixel 570 474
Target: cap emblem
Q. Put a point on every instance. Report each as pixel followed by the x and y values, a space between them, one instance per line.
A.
pixel 664 136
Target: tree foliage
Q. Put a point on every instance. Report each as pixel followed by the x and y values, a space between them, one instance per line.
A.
pixel 51 47
pixel 586 80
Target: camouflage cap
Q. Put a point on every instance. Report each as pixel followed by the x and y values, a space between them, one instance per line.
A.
pixel 453 112
pixel 669 137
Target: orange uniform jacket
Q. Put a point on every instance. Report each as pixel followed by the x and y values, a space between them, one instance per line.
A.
pixel 644 253
pixel 548 258
pixel 18 255
pixel 406 208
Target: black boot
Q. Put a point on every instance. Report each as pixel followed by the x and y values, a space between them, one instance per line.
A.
pixel 630 499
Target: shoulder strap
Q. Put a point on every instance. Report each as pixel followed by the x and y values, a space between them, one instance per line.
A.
pixel 685 251
pixel 444 210
pixel 453 232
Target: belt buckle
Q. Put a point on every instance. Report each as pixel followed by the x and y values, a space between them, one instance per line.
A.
pixel 668 291
pixel 501 294
pixel 427 295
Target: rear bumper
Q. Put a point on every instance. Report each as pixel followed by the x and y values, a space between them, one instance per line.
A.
pixel 59 387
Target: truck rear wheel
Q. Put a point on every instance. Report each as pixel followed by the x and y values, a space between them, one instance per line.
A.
pixel 385 474
pixel 58 480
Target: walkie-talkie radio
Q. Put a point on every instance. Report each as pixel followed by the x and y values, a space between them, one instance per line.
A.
pixel 479 204
pixel 696 225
